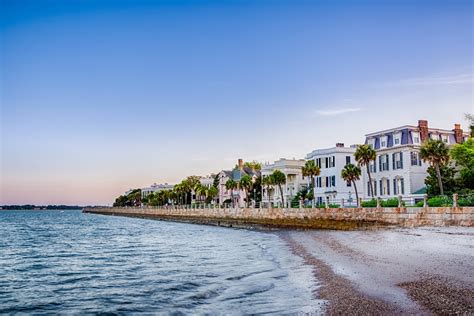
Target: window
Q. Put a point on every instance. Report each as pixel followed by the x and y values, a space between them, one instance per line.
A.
pixel 375 187
pixel 398 186
pixel 372 167
pixel 383 163
pixel 383 141
pixel 397 138
pixel 333 181
pixel 348 160
pixel 415 158
pixel 327 162
pixel 445 139
pixel 388 187
pixel 397 160
pixel 397 141
pixel 349 184
pixel 371 142
pixel 381 187
pixel 416 138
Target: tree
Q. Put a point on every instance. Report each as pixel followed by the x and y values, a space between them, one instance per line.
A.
pixel 470 118
pixel 310 170
pixel 245 184
pixel 364 154
pixel 200 190
pixel 463 154
pixel 254 165
pixel 267 181
pixel 212 192
pixel 279 179
pixel 231 185
pixel 351 173
pixel 437 154
pixel 447 175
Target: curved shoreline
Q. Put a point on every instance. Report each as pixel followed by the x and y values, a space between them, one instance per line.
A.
pixel 377 281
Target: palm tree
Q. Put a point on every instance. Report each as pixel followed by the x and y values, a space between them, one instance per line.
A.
pixel 200 190
pixel 212 192
pixel 437 154
pixel 279 178
pixel 268 182
pixel 364 155
pixel 231 185
pixel 310 170
pixel 245 184
pixel 351 173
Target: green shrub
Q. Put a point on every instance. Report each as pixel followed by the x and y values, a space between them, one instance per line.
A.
pixel 438 201
pixel 334 206
pixel 466 201
pixel 419 204
pixel 370 203
pixel 390 203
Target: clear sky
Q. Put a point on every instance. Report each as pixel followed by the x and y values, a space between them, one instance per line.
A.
pixel 101 96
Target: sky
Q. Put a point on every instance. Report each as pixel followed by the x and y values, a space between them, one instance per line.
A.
pixel 101 96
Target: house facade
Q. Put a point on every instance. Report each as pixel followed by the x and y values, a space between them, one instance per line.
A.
pixel 398 169
pixel 329 184
pixel 235 196
pixel 294 180
pixel 156 188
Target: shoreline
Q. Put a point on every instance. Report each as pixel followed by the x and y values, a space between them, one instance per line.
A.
pixel 358 280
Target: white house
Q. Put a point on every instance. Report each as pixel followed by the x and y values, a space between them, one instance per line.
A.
pixel 155 188
pixel 294 180
pixel 398 169
pixel 329 184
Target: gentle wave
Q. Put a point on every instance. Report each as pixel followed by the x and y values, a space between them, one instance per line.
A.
pixel 70 262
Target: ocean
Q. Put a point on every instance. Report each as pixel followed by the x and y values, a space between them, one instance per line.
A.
pixel 70 262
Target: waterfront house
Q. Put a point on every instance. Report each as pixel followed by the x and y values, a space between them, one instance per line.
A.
pixel 291 168
pixel 236 196
pixel 156 188
pixel 329 184
pixel 398 169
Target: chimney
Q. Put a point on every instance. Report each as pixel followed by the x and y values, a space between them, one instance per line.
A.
pixel 340 145
pixel 423 129
pixel 241 163
pixel 458 133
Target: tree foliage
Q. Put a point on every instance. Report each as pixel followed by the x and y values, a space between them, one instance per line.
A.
pixel 436 153
pixel 351 173
pixel 364 154
pixel 310 170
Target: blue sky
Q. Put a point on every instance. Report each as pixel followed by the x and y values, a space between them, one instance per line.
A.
pixel 101 96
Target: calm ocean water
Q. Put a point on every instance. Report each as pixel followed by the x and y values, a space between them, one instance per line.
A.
pixel 70 262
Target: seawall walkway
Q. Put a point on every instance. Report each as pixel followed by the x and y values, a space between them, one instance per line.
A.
pixel 305 218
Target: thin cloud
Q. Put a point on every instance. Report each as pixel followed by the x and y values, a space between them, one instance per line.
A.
pixel 337 111
pixel 435 81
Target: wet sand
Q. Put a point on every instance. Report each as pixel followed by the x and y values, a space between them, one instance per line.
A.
pixel 397 271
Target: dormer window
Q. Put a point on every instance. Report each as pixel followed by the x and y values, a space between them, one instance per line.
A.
pixel 434 136
pixel 383 141
pixel 371 142
pixel 416 138
pixel 445 139
pixel 397 139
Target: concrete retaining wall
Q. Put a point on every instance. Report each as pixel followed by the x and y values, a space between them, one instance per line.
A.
pixel 331 218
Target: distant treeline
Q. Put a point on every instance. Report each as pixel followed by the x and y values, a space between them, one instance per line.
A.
pixel 42 207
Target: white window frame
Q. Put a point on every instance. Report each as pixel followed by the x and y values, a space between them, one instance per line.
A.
pixel 416 137
pixel 395 137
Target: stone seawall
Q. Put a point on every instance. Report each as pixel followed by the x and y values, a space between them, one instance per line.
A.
pixel 330 218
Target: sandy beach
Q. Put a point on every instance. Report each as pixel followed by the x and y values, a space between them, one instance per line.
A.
pixel 396 271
